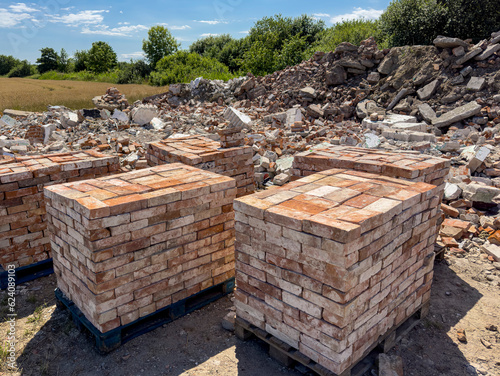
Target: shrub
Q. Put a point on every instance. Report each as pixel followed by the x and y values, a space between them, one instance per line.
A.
pixel 23 69
pixel 353 31
pixel 410 22
pixel 185 67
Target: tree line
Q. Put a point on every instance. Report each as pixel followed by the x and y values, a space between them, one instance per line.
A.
pixel 273 43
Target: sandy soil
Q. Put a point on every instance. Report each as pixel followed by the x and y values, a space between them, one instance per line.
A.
pixel 197 345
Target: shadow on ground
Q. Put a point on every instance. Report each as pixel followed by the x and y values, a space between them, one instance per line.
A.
pixel 196 345
pixel 428 349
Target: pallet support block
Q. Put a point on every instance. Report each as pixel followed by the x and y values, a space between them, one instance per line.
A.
pixel 129 245
pixel 329 263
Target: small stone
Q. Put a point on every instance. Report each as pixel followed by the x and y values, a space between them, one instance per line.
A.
pixel 461 335
pixel 491 328
pixel 228 321
pixel 486 343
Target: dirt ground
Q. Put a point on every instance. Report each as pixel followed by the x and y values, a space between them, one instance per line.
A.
pixel 197 345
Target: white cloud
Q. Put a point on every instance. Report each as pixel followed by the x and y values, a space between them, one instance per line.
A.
pixel 369 14
pixel 213 22
pixel 10 19
pixel 22 8
pixel 85 17
pixel 243 32
pixel 122 31
pixel 123 23
pixel 133 55
pixel 183 27
pixel 208 35
pixel 321 15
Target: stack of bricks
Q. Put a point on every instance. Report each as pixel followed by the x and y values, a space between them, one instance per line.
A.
pixel 407 165
pixel 128 245
pixel 206 154
pixel 35 134
pixel 332 261
pixel 231 137
pixel 24 239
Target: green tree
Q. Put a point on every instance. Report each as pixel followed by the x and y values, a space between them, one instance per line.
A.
pixel 160 43
pixel 23 69
pixel 475 19
pixel 100 58
pixel 80 58
pixel 410 22
pixel 63 61
pixel 224 48
pixel 185 67
pixel 7 63
pixel 48 61
pixel 271 35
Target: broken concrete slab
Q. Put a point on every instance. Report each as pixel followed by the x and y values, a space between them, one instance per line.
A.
pixel 388 121
pixel 416 127
pixel 476 50
pixel 427 112
pixel 428 90
pixel 17 113
pixel 457 114
pixel 336 76
pixel 490 50
pixel 143 114
pixel 447 42
pixel 492 250
pixel 481 193
pixel 476 83
pixel 237 118
pixel 452 191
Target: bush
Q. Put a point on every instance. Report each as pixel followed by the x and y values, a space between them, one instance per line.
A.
pixel 475 19
pixel 410 22
pixel 23 69
pixel 276 42
pixel 183 67
pixel 7 63
pixel 353 31
pixel 224 48
pixel 135 72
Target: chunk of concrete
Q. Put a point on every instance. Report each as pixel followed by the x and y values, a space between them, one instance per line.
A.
pixel 476 83
pixel 237 119
pixel 476 156
pixel 143 114
pixel 447 42
pixel 476 50
pixel 120 116
pixel 427 112
pixel 492 250
pixel 17 113
pixel 451 191
pixel 460 113
pixel 428 90
pixel 481 193
pixel 7 121
pixel 336 76
pixel 281 179
pixel 490 50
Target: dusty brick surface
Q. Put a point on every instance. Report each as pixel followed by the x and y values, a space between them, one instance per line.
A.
pixel 127 245
pixel 330 262
pixel 23 226
pixel 206 154
pixel 405 165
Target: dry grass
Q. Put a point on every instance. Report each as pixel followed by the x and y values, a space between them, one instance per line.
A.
pixel 35 95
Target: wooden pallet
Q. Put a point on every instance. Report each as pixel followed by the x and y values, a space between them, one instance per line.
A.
pixel 28 273
pixel 289 356
pixel 106 342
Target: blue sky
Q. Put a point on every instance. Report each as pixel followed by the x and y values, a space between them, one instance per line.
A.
pixel 27 27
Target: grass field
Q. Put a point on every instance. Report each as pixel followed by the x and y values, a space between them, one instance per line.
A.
pixel 35 95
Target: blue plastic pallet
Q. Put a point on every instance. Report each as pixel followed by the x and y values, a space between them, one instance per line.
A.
pixel 106 342
pixel 28 273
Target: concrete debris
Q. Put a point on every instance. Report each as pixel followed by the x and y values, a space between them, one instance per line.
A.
pixel 446 42
pixel 143 114
pixel 457 114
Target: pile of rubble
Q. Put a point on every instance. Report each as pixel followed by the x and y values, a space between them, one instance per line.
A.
pixel 112 100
